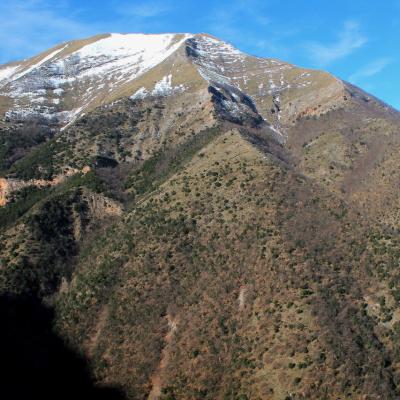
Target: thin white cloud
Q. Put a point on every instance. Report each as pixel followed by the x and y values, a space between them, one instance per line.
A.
pixel 249 24
pixel 370 69
pixel 228 22
pixel 148 9
pixel 349 40
pixel 30 26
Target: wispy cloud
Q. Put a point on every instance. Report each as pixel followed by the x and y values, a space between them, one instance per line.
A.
pixel 371 69
pixel 349 40
pixel 30 26
pixel 227 22
pixel 147 9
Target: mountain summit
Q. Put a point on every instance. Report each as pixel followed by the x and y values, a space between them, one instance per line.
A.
pixel 202 223
pixel 70 79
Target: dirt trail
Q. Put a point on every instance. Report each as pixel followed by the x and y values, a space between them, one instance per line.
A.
pixel 101 323
pixel 157 378
pixel 242 297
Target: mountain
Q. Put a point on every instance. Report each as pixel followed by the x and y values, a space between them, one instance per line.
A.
pixel 72 78
pixel 203 223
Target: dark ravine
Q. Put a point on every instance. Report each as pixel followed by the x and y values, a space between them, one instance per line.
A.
pixel 37 363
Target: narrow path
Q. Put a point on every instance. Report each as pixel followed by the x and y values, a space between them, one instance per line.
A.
pixel 157 378
pixel 101 323
pixel 242 297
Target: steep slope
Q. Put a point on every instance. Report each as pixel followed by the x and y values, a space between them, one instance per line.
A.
pixel 204 223
pixel 281 92
pixel 237 291
pixel 353 151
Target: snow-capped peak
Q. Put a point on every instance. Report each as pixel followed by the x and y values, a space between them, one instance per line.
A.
pixel 96 69
pixel 76 77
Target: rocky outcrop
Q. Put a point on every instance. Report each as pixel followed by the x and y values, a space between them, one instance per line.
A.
pixel 11 185
pixel 8 186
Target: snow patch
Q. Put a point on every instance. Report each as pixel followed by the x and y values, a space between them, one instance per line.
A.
pixel 38 64
pixel 162 88
pixel 58 91
pixel 139 94
pixel 38 100
pixel 129 55
pixel 216 60
pixel 7 72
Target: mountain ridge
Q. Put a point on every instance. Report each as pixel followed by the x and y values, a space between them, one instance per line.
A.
pixel 127 40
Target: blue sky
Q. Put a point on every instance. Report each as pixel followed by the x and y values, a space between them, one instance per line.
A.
pixel 357 40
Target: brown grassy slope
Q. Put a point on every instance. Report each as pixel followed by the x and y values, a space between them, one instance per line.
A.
pixel 353 151
pixel 125 131
pixel 235 279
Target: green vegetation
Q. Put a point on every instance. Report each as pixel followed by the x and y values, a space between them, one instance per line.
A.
pixel 50 233
pixel 166 162
pixel 40 163
pixel 22 202
pixel 16 141
pixel 90 180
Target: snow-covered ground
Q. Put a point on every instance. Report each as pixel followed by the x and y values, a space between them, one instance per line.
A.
pixel 129 55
